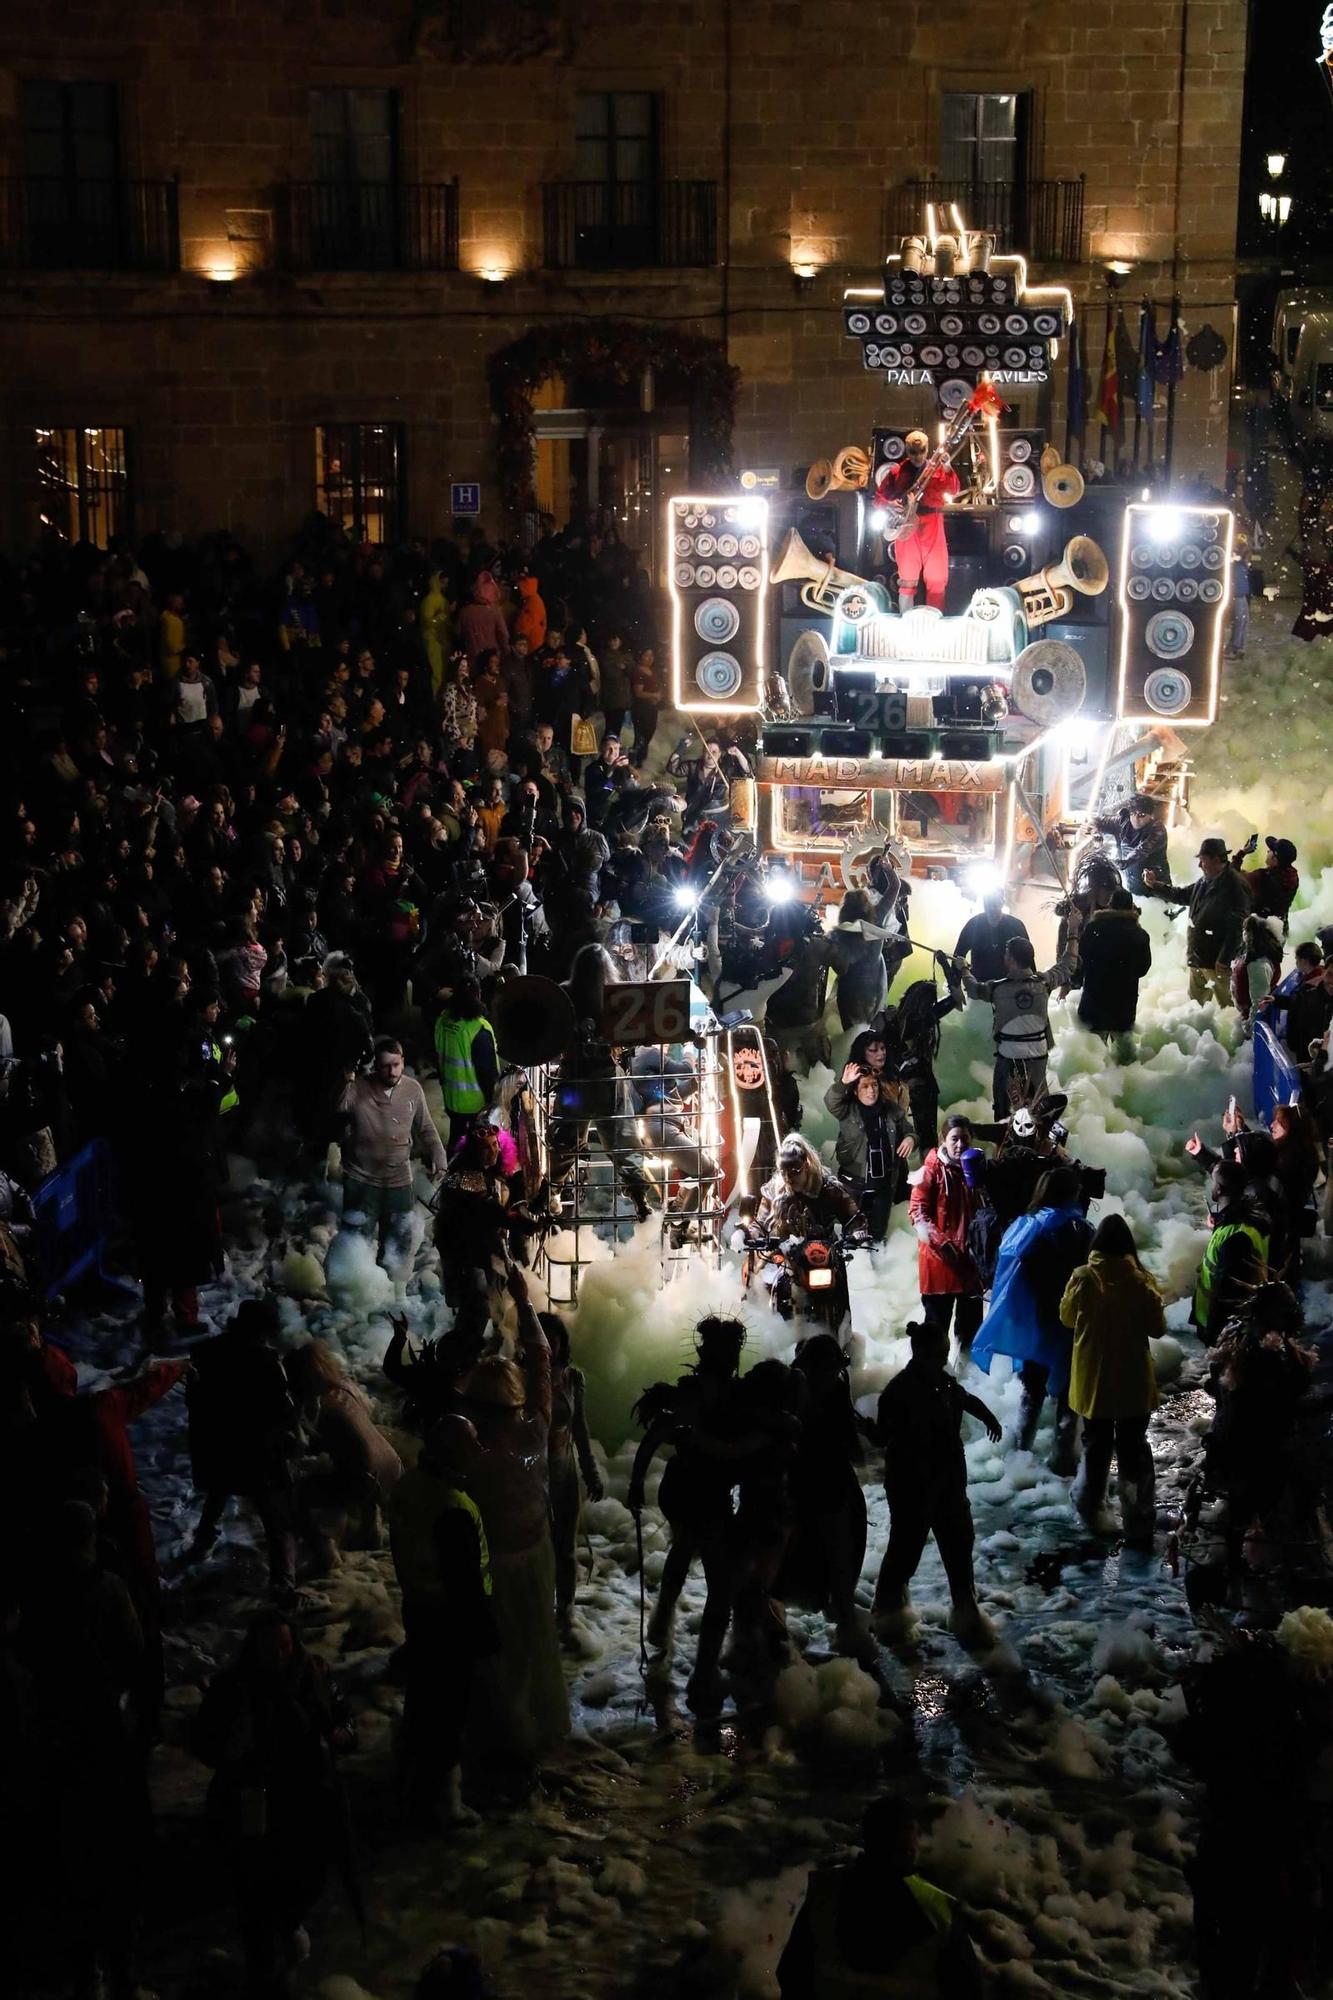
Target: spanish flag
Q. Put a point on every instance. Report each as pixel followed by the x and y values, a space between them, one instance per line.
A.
pixel 1108 399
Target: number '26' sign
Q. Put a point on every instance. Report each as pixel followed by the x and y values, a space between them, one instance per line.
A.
pixel 657 1011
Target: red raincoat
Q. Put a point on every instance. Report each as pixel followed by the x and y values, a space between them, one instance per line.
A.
pixel 943 1199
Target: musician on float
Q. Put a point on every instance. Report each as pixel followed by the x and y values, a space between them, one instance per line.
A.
pixel 922 553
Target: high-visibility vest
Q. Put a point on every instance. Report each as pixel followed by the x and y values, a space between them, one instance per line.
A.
pixel 453 1049
pixel 1203 1291
pixel 229 1098
pixel 912 1977
pixel 419 1501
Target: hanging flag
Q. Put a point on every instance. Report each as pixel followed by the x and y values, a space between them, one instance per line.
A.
pixel 1147 361
pixel 1108 397
pixel 1076 420
pixel 1169 365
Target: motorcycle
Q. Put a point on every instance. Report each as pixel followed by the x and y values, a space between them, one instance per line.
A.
pixel 806 1276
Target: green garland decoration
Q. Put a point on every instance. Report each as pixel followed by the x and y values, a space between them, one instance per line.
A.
pixel 689 368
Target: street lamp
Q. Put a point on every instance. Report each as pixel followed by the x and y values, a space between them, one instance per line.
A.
pixel 1283 210
pixel 1277 163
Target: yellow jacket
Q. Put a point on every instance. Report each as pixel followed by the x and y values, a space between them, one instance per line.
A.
pixel 1114 1309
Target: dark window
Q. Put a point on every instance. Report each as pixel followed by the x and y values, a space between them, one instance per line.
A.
pixel 354 219
pixel 1293 342
pixel 71 166
pixel 358 469
pixel 615 160
pixel 984 136
pixel 83 483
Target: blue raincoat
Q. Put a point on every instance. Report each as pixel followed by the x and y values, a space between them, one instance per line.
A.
pixel 1036 1258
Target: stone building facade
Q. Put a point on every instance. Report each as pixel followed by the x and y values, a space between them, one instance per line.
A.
pixel 270 250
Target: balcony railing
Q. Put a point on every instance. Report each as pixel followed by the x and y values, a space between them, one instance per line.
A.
pixel 629 225
pixel 58 224
pixel 1043 219
pixel 368 226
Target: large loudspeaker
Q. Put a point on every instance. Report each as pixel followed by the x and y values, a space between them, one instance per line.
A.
pixel 1020 466
pixel 1175 587
pixel 719 590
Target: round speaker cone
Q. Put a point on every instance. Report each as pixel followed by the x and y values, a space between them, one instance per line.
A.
pixel 1046 324
pixel 683 545
pixel 1014 558
pixel 726 576
pixel 748 577
pixel 1213 558
pixel 1169 635
pixel 1138 589
pixel 1019 450
pixel 1017 482
pixel 951 323
pixel 727 545
pixel 1167 691
pixel 684 574
pixel 1191 555
pixel 1163 589
pixel 705 576
pixel 1210 590
pixel 719 675
pixel 860 323
pixel 1187 590
pixel 894 449
pixel 717 620
pixel 973 356
pixel 931 356
pixel 915 323
pixel 988 322
pixel 1015 357
pixel 749 547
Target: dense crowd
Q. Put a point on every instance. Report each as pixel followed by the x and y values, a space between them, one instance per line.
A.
pixel 273 848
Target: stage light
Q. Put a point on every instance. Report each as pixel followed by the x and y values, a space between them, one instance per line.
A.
pixel 1031 523
pixel 879 518
pixel 752 513
pixel 1165 525
pixel 686 896
pixel 780 888
pixel 982 879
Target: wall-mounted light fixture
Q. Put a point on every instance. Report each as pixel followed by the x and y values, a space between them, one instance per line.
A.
pixel 1277 165
pixel 804 271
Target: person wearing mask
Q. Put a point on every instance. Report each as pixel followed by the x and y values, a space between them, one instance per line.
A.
pixel 387 1121
pixel 1139 831
pixel 465 1052
pixel 1037 1255
pixel 1273 887
pixel 920 1425
pixel 1114 1311
pixel 985 937
pixel 858 960
pixel 911 1040
pixel 874 1137
pixel 874 1925
pixel 1217 904
pixel 1020 1001
pixel 443 1565
pixel 270 1727
pixel 922 553
pixel 942 1206
pixel 1116 953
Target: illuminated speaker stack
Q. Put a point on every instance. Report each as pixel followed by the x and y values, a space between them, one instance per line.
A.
pixel 719 583
pixel 1175 587
pixel 1020 467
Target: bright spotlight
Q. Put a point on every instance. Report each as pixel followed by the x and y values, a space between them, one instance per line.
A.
pixel 982 879
pixel 752 512
pixel 780 888
pixel 1164 525
pixel 687 896
pixel 879 518
pixel 1030 524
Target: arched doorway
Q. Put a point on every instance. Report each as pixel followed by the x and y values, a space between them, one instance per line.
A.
pixel 610 417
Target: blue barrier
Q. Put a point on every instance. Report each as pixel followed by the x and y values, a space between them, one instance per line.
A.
pixel 1276 1077
pixel 73 1210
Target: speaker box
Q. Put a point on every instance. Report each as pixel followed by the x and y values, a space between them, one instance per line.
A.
pixel 1092 643
pixel 1175 587
pixel 719 588
pixel 1023 538
pixel 1020 461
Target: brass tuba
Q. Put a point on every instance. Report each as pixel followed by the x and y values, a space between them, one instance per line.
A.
pixel 1050 594
pixel 846 473
pixel 822 583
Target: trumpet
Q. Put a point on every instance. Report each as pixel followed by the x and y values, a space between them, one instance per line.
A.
pixel 822 582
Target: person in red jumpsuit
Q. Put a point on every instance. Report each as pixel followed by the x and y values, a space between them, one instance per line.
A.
pixel 922 555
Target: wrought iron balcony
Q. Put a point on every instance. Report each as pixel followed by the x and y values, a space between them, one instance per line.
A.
pixel 1043 219
pixel 629 225
pixel 368 226
pixel 58 223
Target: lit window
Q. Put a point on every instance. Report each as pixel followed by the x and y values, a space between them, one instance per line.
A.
pixel 357 479
pixel 83 482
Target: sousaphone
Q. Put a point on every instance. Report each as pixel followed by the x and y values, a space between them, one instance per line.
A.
pixel 845 473
pixel 534 1020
